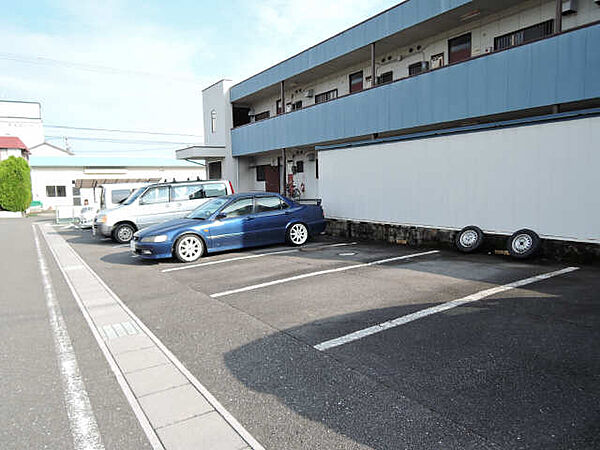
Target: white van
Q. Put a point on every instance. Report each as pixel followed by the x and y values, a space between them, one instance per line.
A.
pixel 156 203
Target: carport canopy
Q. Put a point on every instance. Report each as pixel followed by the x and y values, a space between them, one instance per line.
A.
pixel 85 183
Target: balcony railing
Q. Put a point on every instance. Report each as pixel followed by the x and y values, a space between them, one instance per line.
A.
pixel 558 69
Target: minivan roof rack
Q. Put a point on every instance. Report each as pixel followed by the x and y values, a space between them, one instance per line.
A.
pixel 186 181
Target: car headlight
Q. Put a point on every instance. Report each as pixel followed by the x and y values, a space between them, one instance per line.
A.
pixel 159 238
pixel 102 219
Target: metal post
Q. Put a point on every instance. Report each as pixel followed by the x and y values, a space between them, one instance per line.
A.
pixel 282 93
pixel 284 181
pixel 373 78
pixel 558 17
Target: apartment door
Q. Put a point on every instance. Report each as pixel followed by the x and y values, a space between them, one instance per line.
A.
pixel 459 48
pixel 272 179
pixel 356 82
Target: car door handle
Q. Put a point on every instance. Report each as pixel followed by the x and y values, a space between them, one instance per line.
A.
pixel 249 218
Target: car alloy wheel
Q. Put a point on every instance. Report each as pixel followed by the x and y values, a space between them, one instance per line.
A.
pixel 123 233
pixel 298 234
pixel 189 248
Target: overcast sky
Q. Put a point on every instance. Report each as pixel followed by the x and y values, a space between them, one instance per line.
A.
pixel 141 65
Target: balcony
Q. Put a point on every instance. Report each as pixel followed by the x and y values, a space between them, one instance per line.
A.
pixel 560 69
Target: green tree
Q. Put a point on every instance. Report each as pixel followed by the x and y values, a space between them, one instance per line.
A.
pixel 15 184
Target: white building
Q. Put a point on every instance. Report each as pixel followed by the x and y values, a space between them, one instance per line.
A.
pixel 434 114
pixel 22 120
pixel 70 180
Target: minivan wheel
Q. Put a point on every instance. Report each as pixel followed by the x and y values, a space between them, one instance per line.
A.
pixel 189 248
pixel 523 243
pixel 123 233
pixel 469 239
pixel 297 234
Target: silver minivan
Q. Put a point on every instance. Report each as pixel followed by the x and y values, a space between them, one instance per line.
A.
pixel 154 204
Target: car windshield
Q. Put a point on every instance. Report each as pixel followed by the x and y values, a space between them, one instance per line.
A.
pixel 135 194
pixel 208 209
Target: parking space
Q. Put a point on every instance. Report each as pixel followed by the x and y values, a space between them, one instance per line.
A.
pixel 504 366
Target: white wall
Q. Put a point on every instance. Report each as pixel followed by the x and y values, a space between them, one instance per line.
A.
pixel 7 153
pixel 543 177
pixel 216 97
pixel 64 176
pixel 482 31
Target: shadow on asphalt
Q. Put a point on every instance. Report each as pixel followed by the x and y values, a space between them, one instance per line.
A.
pixel 522 372
pixel 125 258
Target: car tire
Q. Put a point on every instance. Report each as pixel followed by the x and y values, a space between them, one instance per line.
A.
pixel 123 233
pixel 297 234
pixel 469 239
pixel 523 243
pixel 189 248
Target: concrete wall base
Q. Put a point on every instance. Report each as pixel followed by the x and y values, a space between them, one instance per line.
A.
pixel 10 215
pixel 563 251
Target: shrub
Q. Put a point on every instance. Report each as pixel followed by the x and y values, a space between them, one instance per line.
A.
pixel 15 184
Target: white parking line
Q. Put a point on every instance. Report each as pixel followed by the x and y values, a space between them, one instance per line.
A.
pixel 436 309
pixel 320 272
pixel 84 428
pixel 259 255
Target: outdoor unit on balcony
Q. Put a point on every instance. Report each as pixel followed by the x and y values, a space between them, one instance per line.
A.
pixel 570 6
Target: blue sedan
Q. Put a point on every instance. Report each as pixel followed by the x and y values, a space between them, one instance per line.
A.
pixel 231 222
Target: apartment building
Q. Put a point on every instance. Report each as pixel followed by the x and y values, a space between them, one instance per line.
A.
pixel 433 113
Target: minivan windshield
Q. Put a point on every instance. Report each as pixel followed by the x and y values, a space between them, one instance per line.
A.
pixel 207 209
pixel 133 196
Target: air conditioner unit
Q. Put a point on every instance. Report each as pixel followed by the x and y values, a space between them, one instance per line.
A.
pixel 570 6
pixel 309 93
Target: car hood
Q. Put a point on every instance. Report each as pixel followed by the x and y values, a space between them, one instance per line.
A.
pixel 168 226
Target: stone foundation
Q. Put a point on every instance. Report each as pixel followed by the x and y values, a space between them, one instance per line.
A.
pixel 563 251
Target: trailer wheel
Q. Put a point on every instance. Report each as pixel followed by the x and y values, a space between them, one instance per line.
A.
pixel 523 243
pixel 469 239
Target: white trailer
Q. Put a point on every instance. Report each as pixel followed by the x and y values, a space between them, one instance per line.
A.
pixel 543 176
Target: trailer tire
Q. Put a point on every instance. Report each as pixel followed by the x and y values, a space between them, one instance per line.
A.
pixel 469 239
pixel 523 243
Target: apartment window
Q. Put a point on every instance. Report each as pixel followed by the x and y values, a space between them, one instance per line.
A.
pixel 437 61
pixel 326 96
pixel 317 168
pixel 213 121
pixel 417 68
pixel 356 82
pixel 299 166
pixel 297 105
pixel 214 170
pixel 524 35
pixel 262 116
pixel 260 173
pixel 459 48
pixel 56 191
pixel 386 77
pixel 278 106
pixel 76 196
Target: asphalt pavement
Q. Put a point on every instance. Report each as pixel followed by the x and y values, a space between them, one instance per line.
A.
pixel 518 368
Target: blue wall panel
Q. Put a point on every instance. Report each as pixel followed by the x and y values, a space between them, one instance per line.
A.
pixel 392 21
pixel 560 69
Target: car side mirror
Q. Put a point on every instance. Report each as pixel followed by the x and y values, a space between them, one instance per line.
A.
pixel 221 216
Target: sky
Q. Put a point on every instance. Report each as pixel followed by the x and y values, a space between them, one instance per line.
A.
pixel 141 65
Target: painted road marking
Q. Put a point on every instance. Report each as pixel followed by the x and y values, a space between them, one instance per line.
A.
pixel 172 372
pixel 259 255
pixel 320 272
pixel 436 309
pixel 84 428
